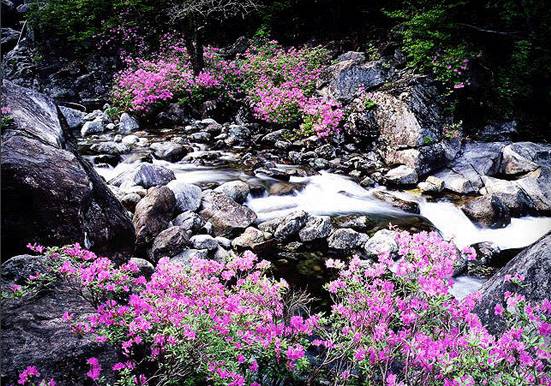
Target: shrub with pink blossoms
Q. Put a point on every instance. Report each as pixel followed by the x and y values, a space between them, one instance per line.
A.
pixel 395 323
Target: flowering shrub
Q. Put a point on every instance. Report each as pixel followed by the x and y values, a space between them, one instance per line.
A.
pixel 281 86
pixel 147 83
pixel 395 323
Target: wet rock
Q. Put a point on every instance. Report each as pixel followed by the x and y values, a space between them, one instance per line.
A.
pixel 50 194
pixel 130 140
pixel 128 124
pixel 367 182
pixel 34 332
pixel 272 137
pixel 252 239
pixel 129 201
pixel 146 175
pixel 109 147
pixel 169 151
pixel 534 263
pixel 237 135
pixel 92 127
pixel 152 216
pixel 509 193
pixel 498 131
pixel 237 190
pixel 488 211
pixel 383 241
pixel 270 226
pixel 189 221
pixel 188 196
pixel 346 239
pixel 431 185
pixel 317 227
pixel 343 79
pixel 204 242
pixel 74 118
pixel 358 223
pixel 397 200
pixel 226 215
pixel 477 160
pixel 525 157
pixel 169 243
pixel 291 224
pixel 402 175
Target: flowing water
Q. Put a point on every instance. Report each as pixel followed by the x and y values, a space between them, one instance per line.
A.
pixel 335 195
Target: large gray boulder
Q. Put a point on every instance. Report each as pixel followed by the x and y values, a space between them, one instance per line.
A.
pixel 342 80
pixel 383 241
pixel 152 215
pixel 237 190
pixel 169 151
pixel 226 216
pixel 50 194
pixel 346 239
pixel 291 224
pixel 33 331
pixel 476 160
pixel 169 243
pixel 317 227
pixel 525 157
pixel 534 263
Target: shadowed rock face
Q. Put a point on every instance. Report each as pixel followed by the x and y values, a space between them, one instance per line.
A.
pixel 535 264
pixel 34 332
pixel 50 194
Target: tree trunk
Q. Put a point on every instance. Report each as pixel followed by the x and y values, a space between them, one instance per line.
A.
pixel 194 45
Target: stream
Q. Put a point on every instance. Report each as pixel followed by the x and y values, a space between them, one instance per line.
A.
pixel 336 195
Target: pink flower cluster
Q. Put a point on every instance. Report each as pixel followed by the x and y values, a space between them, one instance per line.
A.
pixel 225 322
pixel 29 377
pixel 281 88
pixel 399 315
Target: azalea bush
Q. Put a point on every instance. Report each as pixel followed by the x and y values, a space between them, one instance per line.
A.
pixel 395 323
pixel 392 322
pixel 279 85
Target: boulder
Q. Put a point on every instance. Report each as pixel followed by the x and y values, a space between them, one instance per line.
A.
pixel 383 241
pixel 109 147
pixel 185 257
pixel 204 242
pixel 525 157
pixel 226 215
pixel 488 211
pixel 169 151
pixel 343 79
pixel 33 331
pixel 346 239
pixel 510 193
pixel 476 160
pixel 73 117
pixel 431 185
pixel 291 224
pixel 128 124
pixel 402 175
pixel 152 216
pixel 188 196
pixel 50 194
pixel 252 239
pixel 146 175
pixel 189 221
pixel 534 263
pixel 237 190
pixel 317 227
pixel 95 126
pixel 169 243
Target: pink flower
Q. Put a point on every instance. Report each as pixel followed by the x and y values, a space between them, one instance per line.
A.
pixel 27 374
pixel 498 309
pixel 95 369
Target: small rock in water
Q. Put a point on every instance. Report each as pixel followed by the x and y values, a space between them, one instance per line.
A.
pixel 130 140
pixel 346 238
pixel 237 190
pixel 226 215
pixel 146 175
pixel 431 185
pixel 489 211
pixel 402 175
pixel 317 227
pixel 397 201
pixel 169 151
pixel 113 148
pixel 92 127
